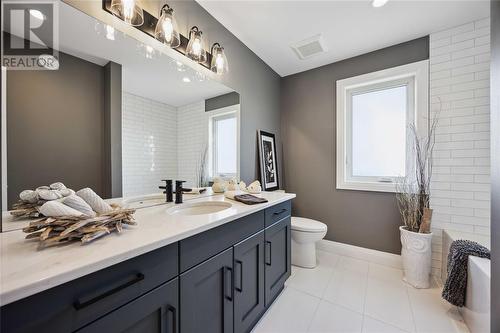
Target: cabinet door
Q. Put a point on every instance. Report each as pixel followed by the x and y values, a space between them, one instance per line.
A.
pixel 277 258
pixel 248 282
pixel 207 295
pixel 156 311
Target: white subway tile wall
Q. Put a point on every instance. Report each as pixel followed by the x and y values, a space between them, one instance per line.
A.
pixel 149 144
pixel 459 87
pixel 192 140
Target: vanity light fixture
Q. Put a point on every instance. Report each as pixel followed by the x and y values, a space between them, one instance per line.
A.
pixel 379 3
pixel 218 64
pixel 128 11
pixel 194 49
pixel 166 30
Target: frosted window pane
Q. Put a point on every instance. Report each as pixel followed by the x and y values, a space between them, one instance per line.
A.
pixel 226 141
pixel 379 133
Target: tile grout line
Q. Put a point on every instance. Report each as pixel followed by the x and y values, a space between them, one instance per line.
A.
pixel 388 324
pixel 364 296
pixel 314 314
pixel 411 308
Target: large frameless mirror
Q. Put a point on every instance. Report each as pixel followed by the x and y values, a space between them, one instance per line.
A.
pixel 114 114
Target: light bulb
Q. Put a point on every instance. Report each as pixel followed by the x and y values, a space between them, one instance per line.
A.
pixel 219 62
pixel 128 9
pixel 197 47
pixel 194 49
pixel 186 79
pixel 168 28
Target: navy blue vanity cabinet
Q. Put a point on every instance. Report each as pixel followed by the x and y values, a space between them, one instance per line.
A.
pixel 207 296
pixel 248 282
pixel 218 281
pixel 277 258
pixel 71 306
pixel 155 312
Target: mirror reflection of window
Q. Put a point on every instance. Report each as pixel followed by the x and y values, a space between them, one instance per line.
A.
pixel 224 134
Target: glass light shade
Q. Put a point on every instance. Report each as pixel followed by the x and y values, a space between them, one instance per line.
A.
pixel 128 11
pixel 194 49
pixel 218 64
pixel 166 30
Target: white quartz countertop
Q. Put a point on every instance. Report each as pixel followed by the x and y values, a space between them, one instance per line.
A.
pixel 25 270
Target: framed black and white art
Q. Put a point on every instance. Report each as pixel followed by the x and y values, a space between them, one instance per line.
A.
pixel 268 161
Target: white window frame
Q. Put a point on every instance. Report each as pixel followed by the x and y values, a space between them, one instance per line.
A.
pixel 416 77
pixel 218 114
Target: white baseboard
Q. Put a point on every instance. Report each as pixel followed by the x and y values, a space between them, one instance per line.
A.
pixel 378 257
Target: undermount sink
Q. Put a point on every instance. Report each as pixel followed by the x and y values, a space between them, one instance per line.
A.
pixel 199 208
pixel 145 201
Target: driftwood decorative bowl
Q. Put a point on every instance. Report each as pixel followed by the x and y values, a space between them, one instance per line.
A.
pixel 62 229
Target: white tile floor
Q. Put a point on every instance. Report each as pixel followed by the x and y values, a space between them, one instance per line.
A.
pixel 344 295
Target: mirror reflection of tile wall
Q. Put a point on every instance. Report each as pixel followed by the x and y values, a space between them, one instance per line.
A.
pixel 161 141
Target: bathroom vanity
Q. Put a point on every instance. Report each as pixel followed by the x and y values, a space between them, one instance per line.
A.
pixel 216 272
pixel 140 112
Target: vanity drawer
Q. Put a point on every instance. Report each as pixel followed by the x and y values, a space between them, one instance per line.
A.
pixel 72 305
pixel 278 212
pixel 198 248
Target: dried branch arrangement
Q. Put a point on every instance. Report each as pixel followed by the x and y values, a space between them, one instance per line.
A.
pixel 413 191
pixel 67 216
pixel 25 209
pixel 57 230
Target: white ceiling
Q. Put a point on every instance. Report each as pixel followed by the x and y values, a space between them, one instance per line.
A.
pixel 156 78
pixel 349 28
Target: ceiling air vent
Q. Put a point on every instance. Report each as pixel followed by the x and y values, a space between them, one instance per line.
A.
pixel 309 47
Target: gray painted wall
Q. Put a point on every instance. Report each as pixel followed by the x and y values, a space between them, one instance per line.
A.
pixel 222 101
pixel 257 83
pixel 55 127
pixel 113 134
pixel 495 166
pixel 367 219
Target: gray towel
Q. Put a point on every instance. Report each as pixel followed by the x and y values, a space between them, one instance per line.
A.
pixel 456 281
pixel 249 199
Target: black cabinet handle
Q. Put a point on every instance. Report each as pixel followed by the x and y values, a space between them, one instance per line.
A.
pixel 173 310
pixel 280 212
pixel 268 253
pixel 86 301
pixel 240 264
pixel 231 284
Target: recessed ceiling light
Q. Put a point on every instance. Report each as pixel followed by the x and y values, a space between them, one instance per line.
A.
pixel 379 3
pixel 186 79
pixel 37 14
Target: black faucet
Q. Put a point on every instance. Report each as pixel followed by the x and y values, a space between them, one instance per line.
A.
pixel 178 191
pixel 168 189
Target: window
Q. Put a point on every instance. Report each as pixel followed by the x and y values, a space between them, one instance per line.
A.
pixel 373 114
pixel 224 137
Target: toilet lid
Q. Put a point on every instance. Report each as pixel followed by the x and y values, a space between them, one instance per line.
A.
pixel 308 225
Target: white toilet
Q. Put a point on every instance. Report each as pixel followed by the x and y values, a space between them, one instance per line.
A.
pixel 305 234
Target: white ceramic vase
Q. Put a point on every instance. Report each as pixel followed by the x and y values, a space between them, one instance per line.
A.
pixel 416 253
